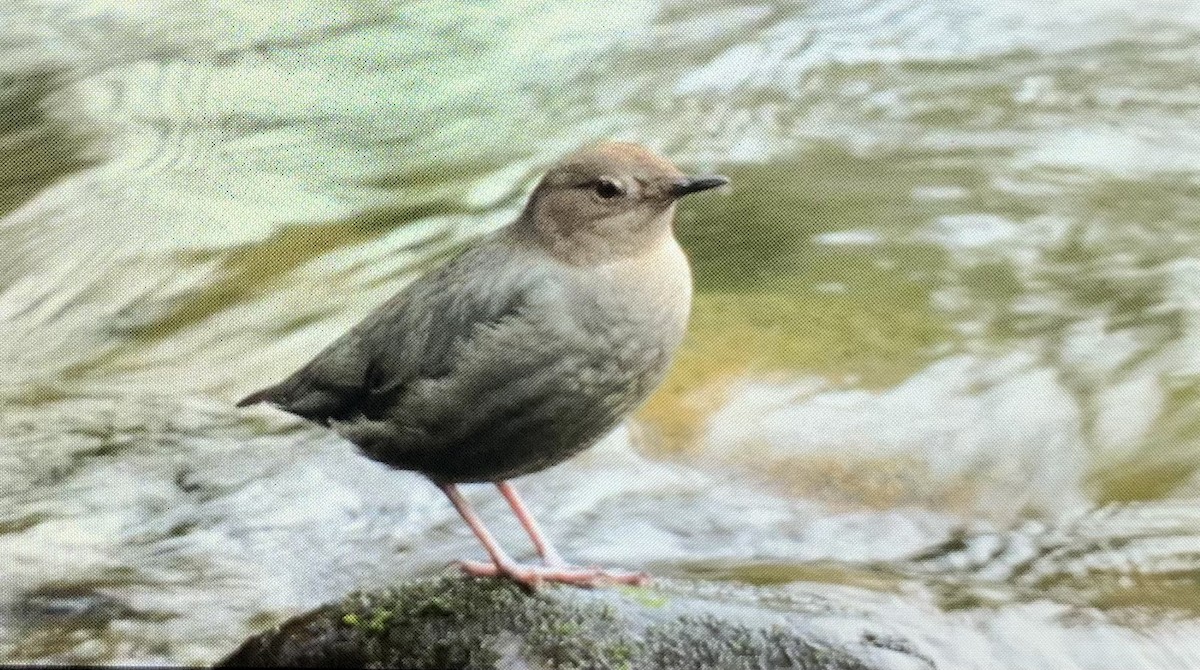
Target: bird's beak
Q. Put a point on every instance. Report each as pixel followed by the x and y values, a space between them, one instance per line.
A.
pixel 686 185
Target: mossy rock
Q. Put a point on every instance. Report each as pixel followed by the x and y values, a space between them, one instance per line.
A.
pixel 485 624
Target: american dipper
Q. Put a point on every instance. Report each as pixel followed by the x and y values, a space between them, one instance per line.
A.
pixel 524 349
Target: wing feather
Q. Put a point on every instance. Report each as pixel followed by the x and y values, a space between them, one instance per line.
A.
pixel 412 336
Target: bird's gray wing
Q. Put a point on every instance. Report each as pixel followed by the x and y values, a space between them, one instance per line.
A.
pixel 414 335
pixel 505 393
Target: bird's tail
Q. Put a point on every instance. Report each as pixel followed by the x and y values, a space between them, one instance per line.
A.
pixel 265 395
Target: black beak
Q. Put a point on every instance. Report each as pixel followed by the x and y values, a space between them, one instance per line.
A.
pixel 688 185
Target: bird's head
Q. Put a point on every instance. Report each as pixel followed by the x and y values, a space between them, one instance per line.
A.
pixel 607 201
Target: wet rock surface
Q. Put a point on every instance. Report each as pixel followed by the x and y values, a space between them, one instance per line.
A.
pixel 485 624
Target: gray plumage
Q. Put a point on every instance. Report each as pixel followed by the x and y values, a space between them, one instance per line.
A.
pixel 528 346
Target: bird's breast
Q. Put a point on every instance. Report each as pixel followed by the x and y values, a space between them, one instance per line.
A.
pixel 634 312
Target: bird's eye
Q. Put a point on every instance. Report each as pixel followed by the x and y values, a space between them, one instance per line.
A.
pixel 608 189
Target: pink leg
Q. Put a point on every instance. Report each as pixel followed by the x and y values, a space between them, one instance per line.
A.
pixel 485 538
pixel 540 543
pixel 531 576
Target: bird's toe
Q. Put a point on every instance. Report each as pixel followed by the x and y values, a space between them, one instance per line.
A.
pixel 535 576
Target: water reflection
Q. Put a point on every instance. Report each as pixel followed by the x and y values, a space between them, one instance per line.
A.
pixel 941 370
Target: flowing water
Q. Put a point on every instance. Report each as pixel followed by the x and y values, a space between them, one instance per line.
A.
pixel 944 363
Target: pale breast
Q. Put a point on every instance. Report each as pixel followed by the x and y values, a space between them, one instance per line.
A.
pixel 637 310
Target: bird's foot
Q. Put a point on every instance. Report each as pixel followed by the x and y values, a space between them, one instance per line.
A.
pixel 533 576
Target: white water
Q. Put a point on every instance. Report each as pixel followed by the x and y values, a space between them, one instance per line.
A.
pixel 199 197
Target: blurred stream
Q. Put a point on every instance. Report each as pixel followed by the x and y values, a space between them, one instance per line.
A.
pixel 943 367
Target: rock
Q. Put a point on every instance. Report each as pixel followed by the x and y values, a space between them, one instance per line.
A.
pixel 486 624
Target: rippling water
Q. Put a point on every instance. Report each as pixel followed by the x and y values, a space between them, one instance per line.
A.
pixel 944 365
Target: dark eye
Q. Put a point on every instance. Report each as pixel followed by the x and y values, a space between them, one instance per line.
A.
pixel 608 189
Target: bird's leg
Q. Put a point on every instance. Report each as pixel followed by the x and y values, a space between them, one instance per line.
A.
pixel 500 559
pixel 530 576
pixel 540 543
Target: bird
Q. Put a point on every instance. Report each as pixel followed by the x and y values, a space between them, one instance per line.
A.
pixel 528 346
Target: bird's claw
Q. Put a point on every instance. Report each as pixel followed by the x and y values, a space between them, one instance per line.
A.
pixel 533 576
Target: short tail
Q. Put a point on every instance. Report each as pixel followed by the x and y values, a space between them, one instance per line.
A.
pixel 265 395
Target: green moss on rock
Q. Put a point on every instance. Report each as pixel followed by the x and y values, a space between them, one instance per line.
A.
pixel 485 624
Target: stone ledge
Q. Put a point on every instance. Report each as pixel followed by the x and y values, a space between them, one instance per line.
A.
pixel 493 624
